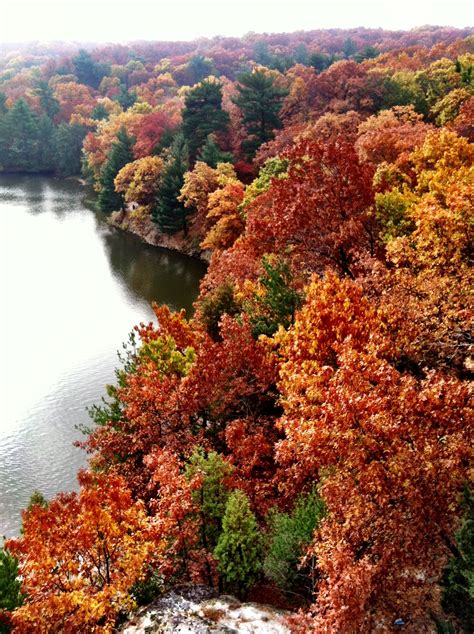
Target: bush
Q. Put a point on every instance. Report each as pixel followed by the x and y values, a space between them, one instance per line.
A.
pixel 289 537
pixel 239 548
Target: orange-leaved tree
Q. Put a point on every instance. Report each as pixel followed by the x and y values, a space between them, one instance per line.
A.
pixel 80 555
pixel 390 452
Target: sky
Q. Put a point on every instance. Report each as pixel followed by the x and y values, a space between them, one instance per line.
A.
pixel 128 20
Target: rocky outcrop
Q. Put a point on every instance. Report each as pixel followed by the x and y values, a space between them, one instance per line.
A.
pixel 199 610
pixel 141 225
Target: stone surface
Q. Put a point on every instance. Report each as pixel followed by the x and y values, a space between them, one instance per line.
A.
pixel 198 610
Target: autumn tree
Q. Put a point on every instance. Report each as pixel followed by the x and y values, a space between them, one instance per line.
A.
pixel 390 452
pixel 138 181
pixel 260 100
pixel 80 555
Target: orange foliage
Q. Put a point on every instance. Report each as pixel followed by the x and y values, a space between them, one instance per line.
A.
pixel 80 556
pixel 390 452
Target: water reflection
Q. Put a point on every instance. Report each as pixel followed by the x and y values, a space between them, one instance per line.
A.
pixel 71 289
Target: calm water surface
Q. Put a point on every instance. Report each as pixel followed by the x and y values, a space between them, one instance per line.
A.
pixel 71 289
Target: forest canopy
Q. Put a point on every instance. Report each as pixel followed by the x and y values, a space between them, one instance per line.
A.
pixel 306 435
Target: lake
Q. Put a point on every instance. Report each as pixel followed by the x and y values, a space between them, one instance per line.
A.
pixel 71 289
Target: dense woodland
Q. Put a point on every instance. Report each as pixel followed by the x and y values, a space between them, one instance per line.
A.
pixel 305 438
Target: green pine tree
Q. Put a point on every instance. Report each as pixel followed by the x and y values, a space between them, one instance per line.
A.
pixel 212 154
pixel 203 115
pixel 46 149
pixel 278 304
pixel 10 593
pixel 458 577
pixel 19 138
pixel 260 101
pixel 68 139
pixel 170 214
pixel 119 155
pixel 88 71
pixel 48 102
pixel 289 535
pixel 239 549
pixel 211 497
pixel 125 98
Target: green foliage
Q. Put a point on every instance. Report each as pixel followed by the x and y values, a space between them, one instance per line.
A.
pixel 260 101
pixel 170 214
pixel 273 168
pixel 289 535
pixel 211 154
pixel 200 67
pixel 149 588
pixel 458 577
pixel 277 304
pixel 119 155
pixel 19 138
pixel 49 104
pixel 369 52
pixel 391 212
pixel 212 496
pixel 68 139
pixel 301 54
pixel 87 71
pixel 320 61
pixel 203 115
pixel 349 47
pixel 112 410
pixel 46 150
pixel 402 89
pixel 10 587
pixel 239 549
pixel 220 301
pixel 37 499
pixel 99 113
pixel 125 97
pixel 166 357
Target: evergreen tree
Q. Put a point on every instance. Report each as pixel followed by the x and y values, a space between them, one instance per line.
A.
pixel 349 47
pixel 68 139
pixel 200 67
pixel 119 155
pixel 212 154
pixel 170 214
pixel 260 101
pixel 87 71
pixel 46 150
pixel 301 54
pixel 125 98
pixel 289 536
pixel 99 113
pixel 458 578
pixel 19 138
pixel 239 548
pixel 203 115
pixel 3 98
pixel 320 61
pixel 277 305
pixel 10 595
pixel 211 497
pixel 48 102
